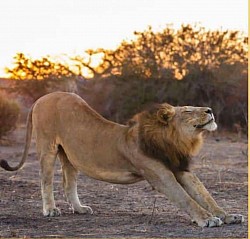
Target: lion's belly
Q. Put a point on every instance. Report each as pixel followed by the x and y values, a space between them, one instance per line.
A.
pixel 114 169
pixel 114 177
pixel 121 175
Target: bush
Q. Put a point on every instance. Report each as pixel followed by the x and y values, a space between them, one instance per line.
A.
pixel 189 65
pixel 9 112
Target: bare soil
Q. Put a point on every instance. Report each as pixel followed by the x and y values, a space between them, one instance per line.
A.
pixel 119 210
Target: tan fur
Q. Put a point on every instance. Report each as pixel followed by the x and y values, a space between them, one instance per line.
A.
pixel 156 146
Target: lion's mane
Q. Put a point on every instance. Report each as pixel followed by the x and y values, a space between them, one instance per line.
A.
pixel 165 142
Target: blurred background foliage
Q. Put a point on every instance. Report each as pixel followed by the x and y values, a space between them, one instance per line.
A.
pixel 187 66
pixel 9 115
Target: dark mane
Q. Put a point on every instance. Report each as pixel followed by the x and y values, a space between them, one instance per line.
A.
pixel 175 161
pixel 161 146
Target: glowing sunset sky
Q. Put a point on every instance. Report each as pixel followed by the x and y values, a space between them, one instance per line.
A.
pixel 39 28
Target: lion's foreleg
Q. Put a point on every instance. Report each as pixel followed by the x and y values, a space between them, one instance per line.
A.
pixel 70 185
pixel 195 188
pixel 164 181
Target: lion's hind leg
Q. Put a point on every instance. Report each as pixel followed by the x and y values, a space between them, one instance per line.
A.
pixel 70 184
pixel 47 162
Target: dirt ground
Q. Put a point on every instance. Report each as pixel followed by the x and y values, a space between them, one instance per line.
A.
pixel 119 210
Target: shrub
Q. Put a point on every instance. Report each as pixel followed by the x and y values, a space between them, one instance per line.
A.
pixel 9 112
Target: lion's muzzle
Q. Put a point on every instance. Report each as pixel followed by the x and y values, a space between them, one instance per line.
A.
pixel 210 124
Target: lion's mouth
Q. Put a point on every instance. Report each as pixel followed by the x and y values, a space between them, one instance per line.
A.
pixel 200 126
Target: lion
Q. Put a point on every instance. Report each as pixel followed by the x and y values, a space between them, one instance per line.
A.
pixel 157 146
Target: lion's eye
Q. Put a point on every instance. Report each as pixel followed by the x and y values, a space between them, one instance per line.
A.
pixel 188 111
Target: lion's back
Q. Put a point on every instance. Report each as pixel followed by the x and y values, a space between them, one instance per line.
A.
pixel 57 101
pixel 59 112
pixel 67 115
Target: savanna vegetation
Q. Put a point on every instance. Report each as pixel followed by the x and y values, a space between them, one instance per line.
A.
pixel 190 65
pixel 9 111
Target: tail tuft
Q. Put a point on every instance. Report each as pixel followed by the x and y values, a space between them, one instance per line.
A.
pixel 4 164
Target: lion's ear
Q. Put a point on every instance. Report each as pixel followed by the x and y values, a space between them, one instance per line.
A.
pixel 165 114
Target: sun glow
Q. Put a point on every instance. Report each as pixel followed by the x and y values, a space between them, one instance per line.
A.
pixel 54 27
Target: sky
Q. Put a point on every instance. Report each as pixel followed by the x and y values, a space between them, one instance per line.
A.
pixel 52 27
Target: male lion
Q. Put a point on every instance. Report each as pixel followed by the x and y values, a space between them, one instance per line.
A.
pixel 156 147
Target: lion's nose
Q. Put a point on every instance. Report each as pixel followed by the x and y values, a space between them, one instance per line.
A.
pixel 209 111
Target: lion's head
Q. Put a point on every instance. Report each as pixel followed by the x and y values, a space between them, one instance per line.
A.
pixel 173 134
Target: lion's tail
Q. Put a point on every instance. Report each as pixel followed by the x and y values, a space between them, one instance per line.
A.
pixel 4 164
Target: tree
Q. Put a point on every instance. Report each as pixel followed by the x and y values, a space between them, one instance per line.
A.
pixel 170 53
pixel 37 77
pixel 26 68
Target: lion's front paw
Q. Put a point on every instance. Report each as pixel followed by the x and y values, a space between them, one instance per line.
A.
pixel 83 210
pixel 52 212
pixel 233 219
pixel 210 222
